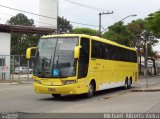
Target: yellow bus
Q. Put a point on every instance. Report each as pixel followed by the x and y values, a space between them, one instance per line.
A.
pixel 81 64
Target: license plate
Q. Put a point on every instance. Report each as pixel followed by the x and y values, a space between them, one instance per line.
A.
pixel 51 89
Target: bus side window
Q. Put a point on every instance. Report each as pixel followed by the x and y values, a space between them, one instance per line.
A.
pixel 97 50
pixel 84 58
pixel 109 52
pixel 106 52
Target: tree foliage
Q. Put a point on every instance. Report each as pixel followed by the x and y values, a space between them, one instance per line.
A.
pixel 153 23
pixel 120 34
pixel 20 19
pixel 86 31
pixel 20 42
pixel 136 27
pixel 64 25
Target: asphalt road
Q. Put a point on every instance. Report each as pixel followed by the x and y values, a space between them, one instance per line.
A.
pixel 21 98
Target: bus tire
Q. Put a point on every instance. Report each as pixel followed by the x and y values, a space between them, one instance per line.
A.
pixel 91 90
pixel 56 95
pixel 129 83
pixel 126 84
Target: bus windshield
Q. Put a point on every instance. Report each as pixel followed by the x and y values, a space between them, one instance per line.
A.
pixel 55 58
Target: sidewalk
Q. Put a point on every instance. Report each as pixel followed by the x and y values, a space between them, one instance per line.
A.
pixel 150 76
pixel 16 81
pixel 151 88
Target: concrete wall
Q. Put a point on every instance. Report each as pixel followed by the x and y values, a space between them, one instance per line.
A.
pixel 48 8
pixel 5 44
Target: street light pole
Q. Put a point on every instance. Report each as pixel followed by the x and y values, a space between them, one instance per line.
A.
pixel 132 15
pixel 100 24
pixel 147 39
pixel 100 21
pixel 146 62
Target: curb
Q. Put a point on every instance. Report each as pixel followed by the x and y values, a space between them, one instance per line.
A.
pixel 146 90
pixel 13 82
pixel 143 77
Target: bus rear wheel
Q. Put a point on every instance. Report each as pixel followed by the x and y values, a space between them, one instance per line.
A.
pixel 56 95
pixel 129 83
pixel 126 84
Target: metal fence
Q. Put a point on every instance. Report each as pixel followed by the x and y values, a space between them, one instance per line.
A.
pixel 15 67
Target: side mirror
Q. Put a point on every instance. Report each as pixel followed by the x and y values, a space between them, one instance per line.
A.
pixel 28 52
pixel 77 52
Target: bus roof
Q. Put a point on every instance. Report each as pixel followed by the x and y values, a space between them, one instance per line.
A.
pixel 91 37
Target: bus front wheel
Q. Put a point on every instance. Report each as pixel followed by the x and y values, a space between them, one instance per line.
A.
pixel 91 90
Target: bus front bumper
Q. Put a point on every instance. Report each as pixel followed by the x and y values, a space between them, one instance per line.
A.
pixel 65 89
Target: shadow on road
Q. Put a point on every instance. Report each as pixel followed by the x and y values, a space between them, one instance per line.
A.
pixel 81 97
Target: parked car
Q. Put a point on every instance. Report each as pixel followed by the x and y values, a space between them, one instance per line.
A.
pixel 22 70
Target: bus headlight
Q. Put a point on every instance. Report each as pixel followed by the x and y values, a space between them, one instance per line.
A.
pixel 36 81
pixel 69 82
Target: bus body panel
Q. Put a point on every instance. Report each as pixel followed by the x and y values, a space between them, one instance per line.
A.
pixel 111 74
pixel 77 88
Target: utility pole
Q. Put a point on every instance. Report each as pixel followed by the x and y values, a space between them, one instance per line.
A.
pixel 139 40
pixel 145 35
pixel 100 21
pixel 146 62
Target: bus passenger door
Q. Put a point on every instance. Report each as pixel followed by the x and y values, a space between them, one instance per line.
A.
pixel 83 63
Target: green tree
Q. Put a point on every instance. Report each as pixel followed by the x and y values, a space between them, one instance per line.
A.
pixel 136 27
pixel 120 34
pixel 20 42
pixel 64 25
pixel 151 41
pixel 153 23
pixel 86 31
pixel 20 19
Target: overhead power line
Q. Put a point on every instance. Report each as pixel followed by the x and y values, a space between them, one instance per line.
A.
pixel 83 24
pixel 27 12
pixel 45 16
pixel 86 6
pixel 92 7
pixel 34 20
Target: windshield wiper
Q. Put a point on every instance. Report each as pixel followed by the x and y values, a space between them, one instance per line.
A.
pixel 57 62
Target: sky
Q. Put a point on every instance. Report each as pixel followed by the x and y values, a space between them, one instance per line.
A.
pixel 75 13
pixel 121 9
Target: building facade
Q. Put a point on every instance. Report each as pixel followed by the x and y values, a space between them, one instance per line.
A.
pixel 5 44
pixel 48 10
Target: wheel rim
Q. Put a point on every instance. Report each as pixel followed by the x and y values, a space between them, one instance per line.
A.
pixel 126 84
pixel 129 84
pixel 91 90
